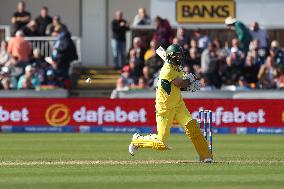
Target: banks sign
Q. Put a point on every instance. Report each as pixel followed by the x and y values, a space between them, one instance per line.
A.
pixel 204 11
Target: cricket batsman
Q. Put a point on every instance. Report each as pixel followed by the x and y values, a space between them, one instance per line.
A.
pixel 170 106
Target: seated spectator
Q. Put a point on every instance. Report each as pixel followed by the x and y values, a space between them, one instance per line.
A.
pixel 21 17
pixel 4 79
pixel 163 33
pixel 193 45
pixel 151 51
pixel 237 57
pixel 259 54
pixel 137 53
pixel 202 39
pixel 250 71
pixel 56 23
pixel 267 74
pixel 141 84
pixel 259 34
pixel 194 61
pixel 51 79
pixel 20 48
pixel 28 80
pixel 40 65
pixel 141 18
pixel 277 54
pixel 205 85
pixel 230 73
pixel 134 69
pixel 125 81
pixel 4 55
pixel 43 20
pixel 182 38
pixel 147 77
pixel 280 82
pixel 242 85
pixel 30 30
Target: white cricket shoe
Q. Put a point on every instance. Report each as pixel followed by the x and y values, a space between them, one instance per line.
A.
pixel 132 149
pixel 208 160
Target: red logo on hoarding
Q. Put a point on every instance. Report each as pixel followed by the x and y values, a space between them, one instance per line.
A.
pixel 57 115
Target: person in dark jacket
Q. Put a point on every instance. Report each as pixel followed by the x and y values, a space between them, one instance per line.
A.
pixel 64 52
pixel 43 20
pixel 119 27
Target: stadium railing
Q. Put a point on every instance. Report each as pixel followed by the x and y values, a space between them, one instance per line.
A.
pixel 45 44
pixel 5 32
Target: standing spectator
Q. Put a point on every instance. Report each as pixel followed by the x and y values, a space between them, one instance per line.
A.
pixel 19 48
pixel 242 32
pixel 43 20
pixel 260 34
pixel 119 27
pixel 141 18
pixel 209 64
pixel 28 80
pixel 64 52
pixel 30 30
pixel 52 28
pixel 277 54
pixel 163 33
pixel 4 55
pixel 202 39
pixel 21 17
pixel 267 74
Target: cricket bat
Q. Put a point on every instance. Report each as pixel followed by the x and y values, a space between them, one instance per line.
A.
pixel 161 52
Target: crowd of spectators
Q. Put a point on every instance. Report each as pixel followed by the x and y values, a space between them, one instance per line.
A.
pixel 249 61
pixel 22 67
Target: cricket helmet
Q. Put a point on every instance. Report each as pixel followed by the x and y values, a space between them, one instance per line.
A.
pixel 174 54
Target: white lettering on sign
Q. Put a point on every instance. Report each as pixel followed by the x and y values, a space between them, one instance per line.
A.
pixel 102 115
pixel 220 116
pixel 14 115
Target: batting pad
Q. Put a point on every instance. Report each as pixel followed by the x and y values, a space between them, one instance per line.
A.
pixel 193 131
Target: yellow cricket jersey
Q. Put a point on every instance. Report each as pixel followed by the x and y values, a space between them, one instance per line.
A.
pixel 168 95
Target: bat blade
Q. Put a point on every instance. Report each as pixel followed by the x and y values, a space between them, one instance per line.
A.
pixel 161 52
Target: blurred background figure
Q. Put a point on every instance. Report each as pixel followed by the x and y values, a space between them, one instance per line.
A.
pixel 53 28
pixel 28 80
pixel 267 74
pixel 163 33
pixel 182 38
pixel 259 34
pixel 30 30
pixel 202 39
pixel 20 49
pixel 4 55
pixel 243 33
pixel 21 17
pixel 43 20
pixel 119 27
pixel 141 18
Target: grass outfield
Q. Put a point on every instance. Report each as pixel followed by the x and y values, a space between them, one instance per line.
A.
pixel 70 161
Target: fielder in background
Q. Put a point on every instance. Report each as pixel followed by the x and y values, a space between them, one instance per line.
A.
pixel 170 106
